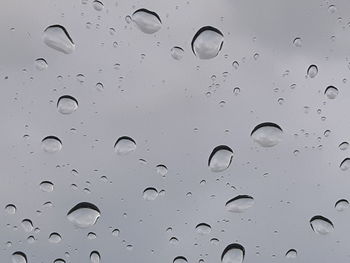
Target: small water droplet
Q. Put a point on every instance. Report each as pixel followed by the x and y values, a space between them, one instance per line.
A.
pixel 345 164
pixel 292 253
pixel 207 42
pixel 180 260
pixel 235 64
pixel 312 71
pixel 67 104
pixel 331 92
pixel 161 169
pixel 51 144
pixel 115 232
pixel 57 37
pixel 10 209
pixel 150 194
pixel 124 145
pixel 46 186
pixel 59 260
pixel 147 21
pixel 321 225
pixel 267 134
pixel 297 42
pixel 203 228
pixel 55 238
pixel 240 203
pixel 177 53
pixel 341 205
pixel 97 5
pixel 233 253
pixel 19 257
pixel 91 235
pixel 27 225
pixel 83 215
pixel 220 158
pixel 95 257
pixel 41 64
pixel 344 146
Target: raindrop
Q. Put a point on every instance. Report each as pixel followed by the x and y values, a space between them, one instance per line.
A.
pixel 321 225
pixel 297 42
pixel 124 145
pixel 331 92
pixel 46 186
pixel 83 215
pixel 312 71
pixel 235 64
pixel 95 257
pixel 10 209
pixel 203 228
pixel 55 238
pixel 19 257
pixel 59 260
pixel 233 253
pixel 115 232
pixel 341 205
pixel 161 169
pixel 207 42
pixel 91 235
pixel 344 146
pixel 57 37
pixel 345 164
pixel 97 5
pixel 173 240
pixel 292 253
pixel 27 225
pixel 147 21
pixel 220 158
pixel 177 53
pixel 240 203
pixel 267 134
pixel 51 144
pixel 67 104
pixel 41 64
pixel 150 194
pixel 180 260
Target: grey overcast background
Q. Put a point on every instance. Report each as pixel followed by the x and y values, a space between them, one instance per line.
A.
pixel 177 110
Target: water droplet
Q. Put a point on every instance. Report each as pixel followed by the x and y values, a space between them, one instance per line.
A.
pixel 55 238
pixel 67 104
pixel 240 203
pixel 51 144
pixel 115 232
pixel 235 64
pixel 173 240
pixel 10 209
pixel 46 186
pixel 267 134
pixel 341 205
pixel 203 228
pixel 99 86
pixel 331 92
pixel 321 225
pixel 207 42
pixel 233 253
pixel 59 260
pixel 97 5
pixel 83 215
pixel 180 260
pixel 91 235
pixel 57 37
pixel 19 257
pixel 312 71
pixel 147 21
pixel 95 257
pixel 177 53
pixel 220 158
pixel 236 91
pixel 332 9
pixel 345 164
pixel 150 194
pixel 292 253
pixel 344 146
pixel 297 42
pixel 27 225
pixel 124 145
pixel 161 169
pixel 41 64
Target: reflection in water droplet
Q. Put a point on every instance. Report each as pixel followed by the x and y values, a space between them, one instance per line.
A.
pixel 97 5
pixel 46 186
pixel 292 253
pixel 203 228
pixel 177 53
pixel 83 215
pixel 207 42
pixel 345 164
pixel 57 37
pixel 331 92
pixel 95 257
pixel 41 64
pixel 240 203
pixel 55 238
pixel 27 225
pixel 51 144
pixel 10 209
pixel 180 260
pixel 341 205
pixel 343 146
pixel 67 104
pixel 233 253
pixel 147 21
pixel 321 225
pixel 267 134
pixel 124 145
pixel 19 257
pixel 220 158
pixel 150 194
pixel 312 71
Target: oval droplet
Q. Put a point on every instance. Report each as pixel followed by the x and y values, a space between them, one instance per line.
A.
pixel 147 21
pixel 19 257
pixel 203 228
pixel 83 215
pixel 321 225
pixel 345 164
pixel 67 104
pixel 291 253
pixel 331 92
pixel 46 186
pixel 240 203
pixel 344 146
pixel 150 194
pixel 233 253
pixel 177 53
pixel 124 145
pixel 312 71
pixel 341 205
pixel 41 64
pixel 55 238
pixel 95 257
pixel 267 134
pixel 57 37
pixel 220 158
pixel 51 144
pixel 207 42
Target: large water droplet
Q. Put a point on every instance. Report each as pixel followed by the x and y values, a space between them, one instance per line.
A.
pixel 147 21
pixel 341 205
pixel 203 228
pixel 345 164
pixel 124 145
pixel 57 37
pixel 331 92
pixel 51 144
pixel 207 42
pixel 46 186
pixel 67 104
pixel 220 158
pixel 240 203
pixel 150 194
pixel 95 257
pixel 233 253
pixel 267 134
pixel 321 225
pixel 83 215
pixel 19 257
pixel 312 71
pixel 292 253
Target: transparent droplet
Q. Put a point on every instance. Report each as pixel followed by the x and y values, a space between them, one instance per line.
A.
pixel 173 240
pixel 91 235
pixel 292 253
pixel 321 225
pixel 220 158
pixel 83 215
pixel 95 257
pixel 161 169
pixel 46 186
pixel 147 21
pixel 55 238
pixel 67 104
pixel 344 146
pixel 124 145
pixel 57 37
pixel 345 164
pixel 27 225
pixel 115 232
pixel 312 71
pixel 150 194
pixel 41 64
pixel 240 203
pixel 80 78
pixel 177 53
pixel 19 257
pixel 332 9
pixel 233 253
pixel 99 86
pixel 59 260
pixel 51 144
pixel 180 260
pixel 10 209
pixel 267 134
pixel 341 205
pixel 203 228
pixel 235 64
pixel 207 42
pixel 297 42
pixel 97 5
pixel 331 92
